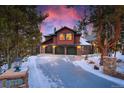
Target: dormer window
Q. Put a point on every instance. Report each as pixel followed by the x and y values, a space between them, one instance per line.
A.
pixel 68 36
pixel 62 37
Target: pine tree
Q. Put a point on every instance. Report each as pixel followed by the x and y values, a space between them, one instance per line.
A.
pixel 107 20
pixel 19 33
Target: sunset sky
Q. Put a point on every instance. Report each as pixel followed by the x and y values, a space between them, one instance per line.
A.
pixel 60 16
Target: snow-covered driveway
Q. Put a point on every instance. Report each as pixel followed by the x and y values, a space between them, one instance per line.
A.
pixel 58 71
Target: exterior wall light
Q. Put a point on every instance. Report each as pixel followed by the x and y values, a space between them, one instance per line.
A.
pixel 54 46
pixel 78 47
pixel 43 46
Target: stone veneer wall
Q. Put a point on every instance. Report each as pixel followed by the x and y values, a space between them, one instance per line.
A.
pixel 109 65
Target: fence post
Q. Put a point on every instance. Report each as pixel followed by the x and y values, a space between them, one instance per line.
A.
pixel 12 83
pixel 4 83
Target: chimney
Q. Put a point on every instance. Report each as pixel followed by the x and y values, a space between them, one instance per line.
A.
pixel 54 29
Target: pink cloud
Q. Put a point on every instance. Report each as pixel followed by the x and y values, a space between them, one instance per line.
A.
pixel 42 28
pixel 62 13
pixel 60 16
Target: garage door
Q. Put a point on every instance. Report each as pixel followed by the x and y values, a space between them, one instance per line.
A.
pixel 71 50
pixel 48 49
pixel 59 50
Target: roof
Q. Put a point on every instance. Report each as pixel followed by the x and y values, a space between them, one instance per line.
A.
pixel 49 35
pixel 53 34
pixel 77 32
pixel 47 40
pixel 84 42
pixel 91 37
pixel 65 28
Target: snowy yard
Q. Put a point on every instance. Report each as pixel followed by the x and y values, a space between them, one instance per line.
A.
pixel 120 67
pixel 67 71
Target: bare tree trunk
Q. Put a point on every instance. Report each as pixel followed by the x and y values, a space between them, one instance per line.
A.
pixel 122 49
pixel 104 52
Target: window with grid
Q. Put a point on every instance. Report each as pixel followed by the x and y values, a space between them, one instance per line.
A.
pixel 68 36
pixel 62 37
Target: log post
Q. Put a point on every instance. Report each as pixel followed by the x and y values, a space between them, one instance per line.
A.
pixel 4 83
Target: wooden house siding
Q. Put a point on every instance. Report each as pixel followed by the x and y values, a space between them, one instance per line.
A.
pixel 65 42
pixel 77 39
pixel 54 45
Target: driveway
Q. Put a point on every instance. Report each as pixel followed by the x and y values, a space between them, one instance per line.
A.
pixel 64 74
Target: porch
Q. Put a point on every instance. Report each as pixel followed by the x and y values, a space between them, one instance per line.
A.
pixel 65 49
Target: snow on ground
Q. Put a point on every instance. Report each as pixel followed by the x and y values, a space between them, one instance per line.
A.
pixel 24 66
pixel 44 59
pixel 3 68
pixel 120 65
pixel 37 79
pixel 63 71
pixel 89 67
pixel 120 56
pixel 60 70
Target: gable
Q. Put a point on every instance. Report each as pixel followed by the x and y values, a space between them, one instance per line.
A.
pixel 71 37
pixel 64 29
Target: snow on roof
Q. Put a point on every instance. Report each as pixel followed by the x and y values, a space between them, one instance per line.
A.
pixel 91 37
pixel 43 38
pixel 84 41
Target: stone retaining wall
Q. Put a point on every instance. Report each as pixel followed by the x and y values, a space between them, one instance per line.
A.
pixel 109 67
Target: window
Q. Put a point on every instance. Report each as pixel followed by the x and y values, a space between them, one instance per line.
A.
pixel 68 36
pixel 62 37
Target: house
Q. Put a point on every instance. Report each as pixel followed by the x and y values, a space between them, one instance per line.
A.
pixel 65 41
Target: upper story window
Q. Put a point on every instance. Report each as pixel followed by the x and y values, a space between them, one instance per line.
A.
pixel 62 37
pixel 68 36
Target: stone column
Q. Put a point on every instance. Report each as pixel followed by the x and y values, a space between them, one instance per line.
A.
pixel 65 50
pixel 109 65
pixel 54 47
pixel 43 49
pixel 78 50
pixel 40 49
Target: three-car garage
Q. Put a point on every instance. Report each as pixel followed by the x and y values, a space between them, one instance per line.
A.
pixel 68 50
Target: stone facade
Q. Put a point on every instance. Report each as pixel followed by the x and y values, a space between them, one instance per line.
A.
pixel 79 51
pixel 109 65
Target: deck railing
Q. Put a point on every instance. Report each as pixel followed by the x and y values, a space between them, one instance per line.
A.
pixel 11 79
